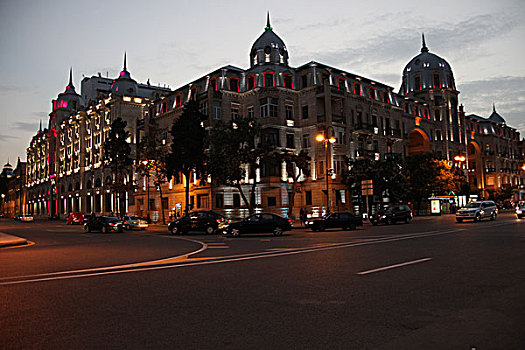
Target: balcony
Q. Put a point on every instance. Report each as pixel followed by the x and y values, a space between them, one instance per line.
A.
pixel 365 127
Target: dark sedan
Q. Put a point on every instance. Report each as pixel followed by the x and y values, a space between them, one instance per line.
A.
pixel 344 221
pixel 207 221
pixel 398 213
pixel 258 223
pixel 104 224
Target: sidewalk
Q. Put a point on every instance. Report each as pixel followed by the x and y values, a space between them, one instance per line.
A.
pixel 8 240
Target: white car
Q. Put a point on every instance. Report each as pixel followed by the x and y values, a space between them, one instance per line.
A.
pixel 134 222
pixel 477 211
pixel 520 210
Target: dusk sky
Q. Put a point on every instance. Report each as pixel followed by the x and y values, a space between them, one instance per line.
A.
pixel 174 42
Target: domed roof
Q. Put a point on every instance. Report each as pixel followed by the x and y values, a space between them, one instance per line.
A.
pixel 495 117
pixel 268 48
pixel 69 99
pixel 427 71
pixel 124 84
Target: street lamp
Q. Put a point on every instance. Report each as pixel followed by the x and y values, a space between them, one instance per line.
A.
pixel 145 163
pixel 460 158
pixel 321 138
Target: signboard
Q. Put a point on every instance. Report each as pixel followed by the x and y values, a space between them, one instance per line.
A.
pixel 367 188
pixel 435 206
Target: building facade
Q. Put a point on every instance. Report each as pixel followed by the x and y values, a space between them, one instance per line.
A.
pixel 292 104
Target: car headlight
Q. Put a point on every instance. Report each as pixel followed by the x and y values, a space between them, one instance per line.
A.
pixel 383 216
pixel 519 211
pixel 482 212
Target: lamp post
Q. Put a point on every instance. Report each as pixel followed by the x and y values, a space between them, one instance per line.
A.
pixel 146 168
pixel 3 199
pixel 326 140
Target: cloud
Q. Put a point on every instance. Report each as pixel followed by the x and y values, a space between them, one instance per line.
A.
pixel 4 138
pixel 26 126
pixel 507 93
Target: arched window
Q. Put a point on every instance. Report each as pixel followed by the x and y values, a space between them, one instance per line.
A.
pixel 70 188
pixel 77 186
pixel 98 183
pixel 89 184
pixel 108 180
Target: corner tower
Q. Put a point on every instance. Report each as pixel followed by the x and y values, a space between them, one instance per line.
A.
pixel 269 48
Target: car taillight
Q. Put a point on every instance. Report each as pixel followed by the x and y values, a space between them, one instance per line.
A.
pixel 134 222
pixel 218 221
pixel 111 224
pixel 289 221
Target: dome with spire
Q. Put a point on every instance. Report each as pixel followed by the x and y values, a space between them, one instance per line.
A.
pixel 427 71
pixel 124 84
pixel 269 48
pixel 495 117
pixel 69 99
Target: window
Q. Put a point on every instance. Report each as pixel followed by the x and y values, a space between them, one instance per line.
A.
pixel 306 141
pixel 308 197
pixel 178 100
pixel 417 82
pixel 250 82
pixel 339 134
pixel 269 107
pixel 271 137
pixel 288 82
pixel 236 200
pixel 235 113
pixel 386 97
pixel 203 108
pixel 193 94
pixel 290 141
pixel 437 115
pixel 234 84
pixel 305 112
pixel 304 81
pixel 340 84
pixel 269 79
pixel 213 84
pixel 219 200
pixel 357 89
pixel 372 93
pixel 288 112
pixel 437 83
pixel 251 113
pixel 272 201
pixel 217 110
pixel 438 135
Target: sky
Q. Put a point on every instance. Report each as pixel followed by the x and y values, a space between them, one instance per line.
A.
pixel 176 41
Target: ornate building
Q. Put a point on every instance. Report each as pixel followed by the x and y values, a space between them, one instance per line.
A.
pixel 293 104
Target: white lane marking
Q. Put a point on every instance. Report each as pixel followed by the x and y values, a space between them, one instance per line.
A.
pixel 97 269
pixel 393 266
pixel 230 259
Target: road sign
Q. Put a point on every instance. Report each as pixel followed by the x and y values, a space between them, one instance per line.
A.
pixel 367 188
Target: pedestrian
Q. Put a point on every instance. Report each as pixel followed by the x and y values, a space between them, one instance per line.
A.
pixel 303 215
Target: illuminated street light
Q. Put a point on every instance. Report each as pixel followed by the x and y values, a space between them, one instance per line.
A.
pixel 460 158
pixel 321 138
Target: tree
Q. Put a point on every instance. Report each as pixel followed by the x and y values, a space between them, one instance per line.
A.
pixel 187 148
pixel 296 165
pixel 117 156
pixel 151 160
pixel 387 175
pixel 235 154
pixel 426 177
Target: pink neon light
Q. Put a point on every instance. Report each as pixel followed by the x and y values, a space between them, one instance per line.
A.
pixel 55 151
pixel 122 73
pixel 117 88
pixel 52 176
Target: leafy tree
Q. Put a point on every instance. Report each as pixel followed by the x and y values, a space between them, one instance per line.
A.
pixel 187 148
pixel 151 159
pixel 117 156
pixel 235 154
pixel 296 165
pixel 427 176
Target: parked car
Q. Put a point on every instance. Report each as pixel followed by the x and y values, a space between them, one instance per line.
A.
pixel 134 222
pixel 27 218
pixel 520 210
pixel 104 224
pixel 75 218
pixel 257 223
pixel 397 213
pixel 17 217
pixel 206 221
pixel 477 211
pixel 344 221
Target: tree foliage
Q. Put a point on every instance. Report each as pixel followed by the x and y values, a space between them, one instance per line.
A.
pixel 235 155
pixel 187 154
pixel 296 165
pixel 151 160
pixel 117 156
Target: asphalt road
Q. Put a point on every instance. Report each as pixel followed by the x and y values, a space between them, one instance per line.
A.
pixel 431 284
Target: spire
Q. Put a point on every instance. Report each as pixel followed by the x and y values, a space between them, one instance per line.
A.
pixel 268 26
pixel 71 76
pixel 424 48
pixel 40 130
pixel 493 108
pixel 125 69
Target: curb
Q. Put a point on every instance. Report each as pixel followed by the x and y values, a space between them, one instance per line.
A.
pixel 9 240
